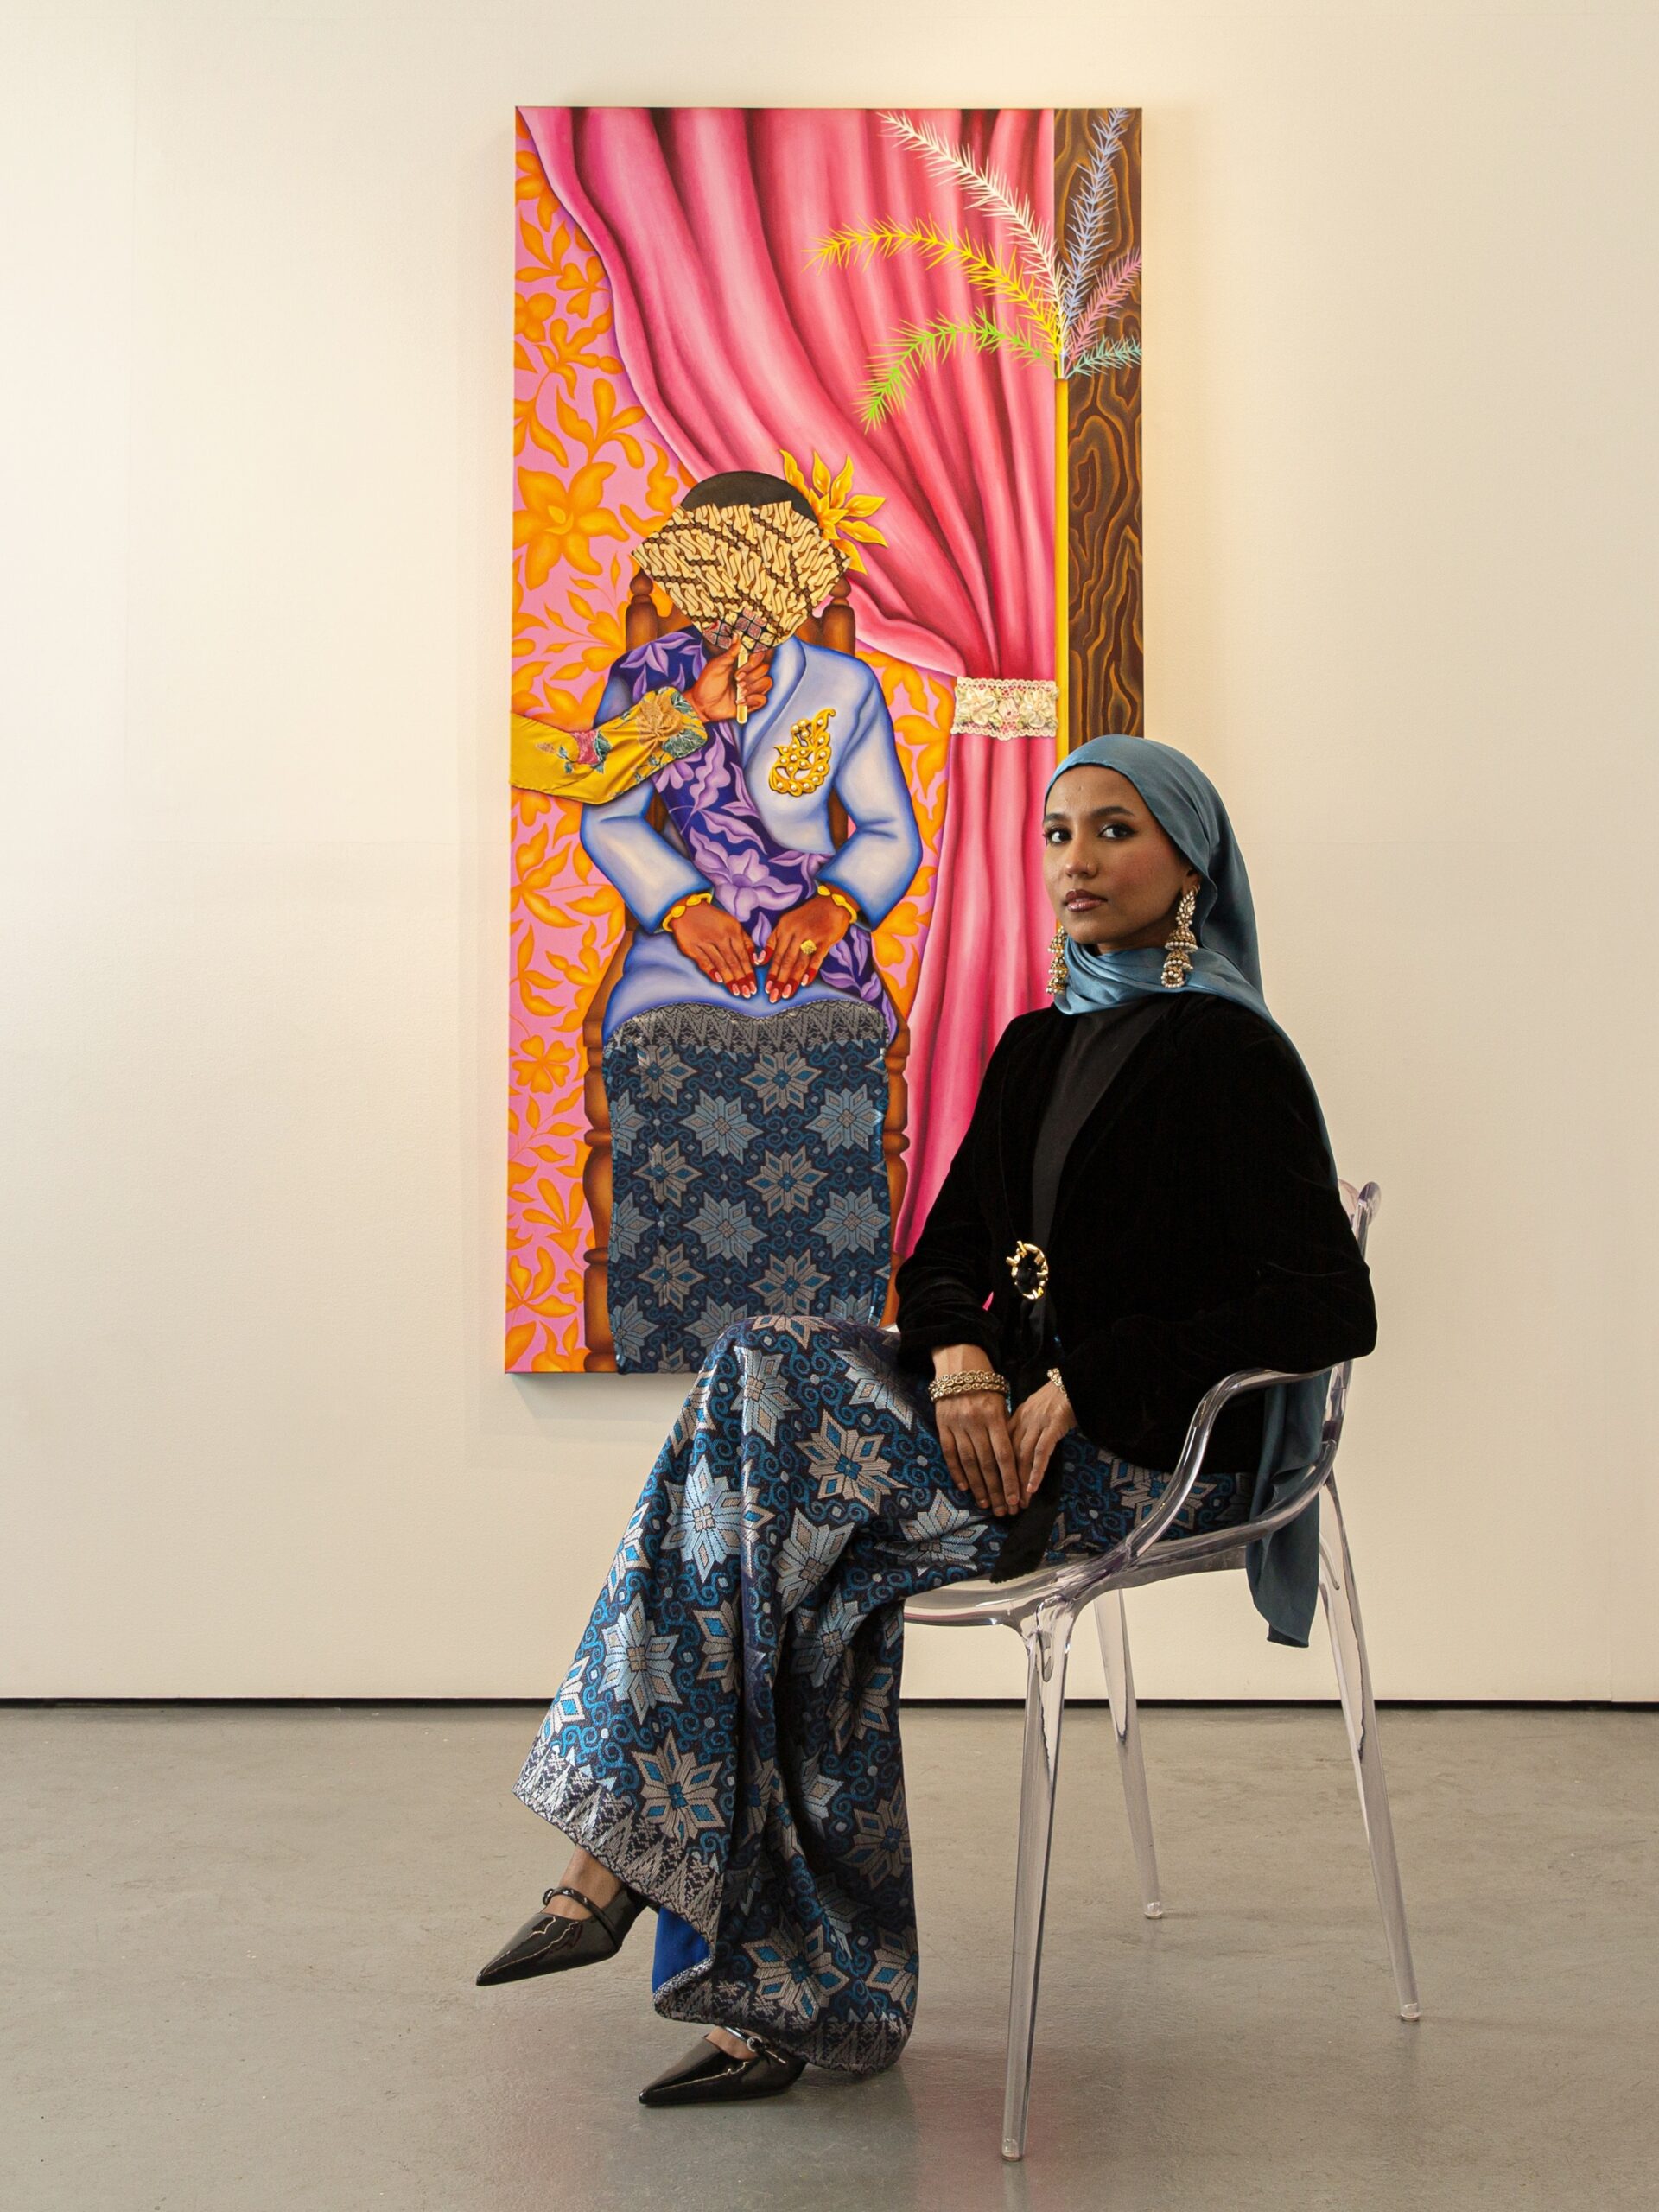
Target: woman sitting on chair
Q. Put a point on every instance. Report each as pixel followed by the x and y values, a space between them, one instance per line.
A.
pixel 1144 1202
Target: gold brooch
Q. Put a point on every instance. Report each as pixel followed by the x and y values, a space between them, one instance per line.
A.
pixel 1028 1265
pixel 802 763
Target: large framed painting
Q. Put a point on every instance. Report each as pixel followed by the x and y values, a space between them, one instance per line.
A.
pixel 826 539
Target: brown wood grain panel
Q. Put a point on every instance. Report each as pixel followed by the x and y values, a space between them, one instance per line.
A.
pixel 1107 675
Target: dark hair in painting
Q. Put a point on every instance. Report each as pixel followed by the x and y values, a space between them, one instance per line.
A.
pixel 747 487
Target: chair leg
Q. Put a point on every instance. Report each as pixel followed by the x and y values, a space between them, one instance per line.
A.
pixel 1047 1639
pixel 1113 1627
pixel 1359 1712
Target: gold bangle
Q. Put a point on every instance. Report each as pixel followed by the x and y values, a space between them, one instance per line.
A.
pixel 691 899
pixel 1057 1379
pixel 828 890
pixel 973 1379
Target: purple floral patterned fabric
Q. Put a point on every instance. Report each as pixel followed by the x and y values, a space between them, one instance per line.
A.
pixel 707 796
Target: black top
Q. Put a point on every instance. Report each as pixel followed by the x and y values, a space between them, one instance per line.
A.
pixel 1197 1229
pixel 1098 1046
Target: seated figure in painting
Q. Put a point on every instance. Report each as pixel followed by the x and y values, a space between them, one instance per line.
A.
pixel 744 1041
pixel 1144 1202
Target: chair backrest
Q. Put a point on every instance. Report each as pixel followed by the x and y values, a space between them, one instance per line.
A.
pixel 1361 1207
pixel 1146 1555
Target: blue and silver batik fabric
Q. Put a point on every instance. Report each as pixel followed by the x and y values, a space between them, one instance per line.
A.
pixel 747 1169
pixel 727 1740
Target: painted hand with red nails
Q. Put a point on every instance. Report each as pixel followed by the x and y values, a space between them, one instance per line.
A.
pixel 798 942
pixel 719 944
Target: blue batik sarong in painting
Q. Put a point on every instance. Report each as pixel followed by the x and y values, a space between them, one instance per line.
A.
pixel 727 1740
pixel 746 1168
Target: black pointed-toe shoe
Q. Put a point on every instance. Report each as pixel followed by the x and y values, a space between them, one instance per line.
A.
pixel 549 1942
pixel 709 2075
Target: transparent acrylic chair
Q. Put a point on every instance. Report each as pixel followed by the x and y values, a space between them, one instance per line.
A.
pixel 1043 1608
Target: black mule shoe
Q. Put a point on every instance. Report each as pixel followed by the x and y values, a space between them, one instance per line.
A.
pixel 710 2075
pixel 549 1942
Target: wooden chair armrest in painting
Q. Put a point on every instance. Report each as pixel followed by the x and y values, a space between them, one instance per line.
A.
pixel 836 628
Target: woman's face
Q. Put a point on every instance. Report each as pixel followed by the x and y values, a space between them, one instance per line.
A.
pixel 1112 875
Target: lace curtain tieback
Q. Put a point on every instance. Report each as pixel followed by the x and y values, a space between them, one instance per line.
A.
pixel 1006 706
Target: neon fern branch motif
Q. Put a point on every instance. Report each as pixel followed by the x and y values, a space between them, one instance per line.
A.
pixel 1059 303
pixel 919 346
pixel 1094 205
pixel 985 190
pixel 987 270
pixel 1108 295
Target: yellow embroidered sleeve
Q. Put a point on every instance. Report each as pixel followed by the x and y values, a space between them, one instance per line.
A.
pixel 592 766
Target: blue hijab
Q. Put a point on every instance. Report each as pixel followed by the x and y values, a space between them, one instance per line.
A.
pixel 1284 1571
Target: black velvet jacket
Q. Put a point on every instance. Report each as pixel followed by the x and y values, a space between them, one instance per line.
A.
pixel 1197 1230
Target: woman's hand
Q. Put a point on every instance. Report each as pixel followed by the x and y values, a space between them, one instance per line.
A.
pixel 1040 1422
pixel 820 921
pixel 973 1434
pixel 715 693
pixel 720 944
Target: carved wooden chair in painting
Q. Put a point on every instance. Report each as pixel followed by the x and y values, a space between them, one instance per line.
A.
pixel 835 628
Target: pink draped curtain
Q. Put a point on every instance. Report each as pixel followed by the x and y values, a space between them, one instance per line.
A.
pixel 705 220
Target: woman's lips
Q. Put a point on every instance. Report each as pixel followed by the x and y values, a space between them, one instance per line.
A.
pixel 1079 902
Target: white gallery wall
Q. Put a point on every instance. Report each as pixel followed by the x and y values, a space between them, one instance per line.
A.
pixel 1402 550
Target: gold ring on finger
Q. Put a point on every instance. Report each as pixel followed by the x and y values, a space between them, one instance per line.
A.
pixel 809 944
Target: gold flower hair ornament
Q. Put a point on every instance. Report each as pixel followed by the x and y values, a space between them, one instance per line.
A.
pixel 744 575
pixel 843 514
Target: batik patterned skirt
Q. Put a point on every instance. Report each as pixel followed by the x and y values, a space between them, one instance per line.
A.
pixel 747 1169
pixel 727 1740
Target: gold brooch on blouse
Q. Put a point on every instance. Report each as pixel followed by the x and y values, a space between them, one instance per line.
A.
pixel 802 763
pixel 1028 1265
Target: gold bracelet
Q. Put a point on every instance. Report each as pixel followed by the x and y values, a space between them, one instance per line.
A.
pixel 828 890
pixel 1056 1377
pixel 959 1386
pixel 691 899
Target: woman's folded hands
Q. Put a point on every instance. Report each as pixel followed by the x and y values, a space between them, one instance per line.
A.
pixel 999 1459
pixel 727 954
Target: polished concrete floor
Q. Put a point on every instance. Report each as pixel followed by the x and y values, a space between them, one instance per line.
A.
pixel 239 1946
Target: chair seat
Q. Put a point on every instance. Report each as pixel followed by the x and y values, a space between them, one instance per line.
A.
pixel 996 1602
pixel 981 1600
